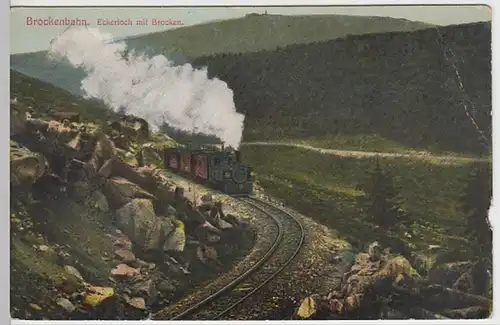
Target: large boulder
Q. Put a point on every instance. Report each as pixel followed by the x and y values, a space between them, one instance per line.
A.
pixel 128 131
pixel 139 222
pixel 80 191
pixel 206 232
pixel 120 191
pixel 149 155
pixel 176 240
pixel 25 166
pixel 448 273
pixel 310 306
pixel 17 118
pixel 98 201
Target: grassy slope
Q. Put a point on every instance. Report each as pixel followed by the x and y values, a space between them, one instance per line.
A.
pixel 324 188
pixel 80 233
pixel 374 143
pixel 40 97
pixel 248 34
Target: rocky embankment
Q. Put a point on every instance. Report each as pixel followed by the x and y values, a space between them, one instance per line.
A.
pixel 381 285
pixel 99 230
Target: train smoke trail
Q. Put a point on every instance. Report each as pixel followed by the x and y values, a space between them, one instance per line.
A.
pixel 150 87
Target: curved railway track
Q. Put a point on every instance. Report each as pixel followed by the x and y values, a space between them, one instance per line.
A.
pixel 284 248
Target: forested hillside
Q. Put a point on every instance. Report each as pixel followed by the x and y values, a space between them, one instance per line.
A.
pixel 251 33
pixel 414 88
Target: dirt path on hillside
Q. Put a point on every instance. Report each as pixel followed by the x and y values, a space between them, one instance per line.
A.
pixel 366 154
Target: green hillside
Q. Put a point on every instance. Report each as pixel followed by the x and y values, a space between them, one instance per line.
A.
pixel 416 89
pixel 326 188
pixel 248 34
pixel 256 32
pixel 34 96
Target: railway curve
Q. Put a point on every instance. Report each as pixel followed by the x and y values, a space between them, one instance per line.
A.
pixel 224 303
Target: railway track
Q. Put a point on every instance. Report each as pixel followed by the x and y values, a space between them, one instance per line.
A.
pixel 284 248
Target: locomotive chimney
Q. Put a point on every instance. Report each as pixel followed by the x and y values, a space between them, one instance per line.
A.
pixel 237 156
pixel 222 147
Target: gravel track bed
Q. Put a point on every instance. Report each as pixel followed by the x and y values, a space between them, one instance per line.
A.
pixel 263 240
pixel 314 270
pixel 318 267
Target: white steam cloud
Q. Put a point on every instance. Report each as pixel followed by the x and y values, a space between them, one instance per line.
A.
pixel 151 88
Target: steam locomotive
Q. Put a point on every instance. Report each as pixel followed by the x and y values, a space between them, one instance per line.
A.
pixel 218 169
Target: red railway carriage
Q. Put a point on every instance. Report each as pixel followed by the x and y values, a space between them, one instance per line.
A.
pixel 217 169
pixel 185 162
pixel 172 159
pixel 200 165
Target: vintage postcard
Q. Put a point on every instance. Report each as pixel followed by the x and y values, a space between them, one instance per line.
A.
pixel 251 163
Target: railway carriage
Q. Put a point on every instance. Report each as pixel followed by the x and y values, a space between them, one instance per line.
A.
pixel 172 160
pixel 185 162
pixel 218 169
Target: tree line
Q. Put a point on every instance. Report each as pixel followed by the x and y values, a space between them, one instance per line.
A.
pixel 418 88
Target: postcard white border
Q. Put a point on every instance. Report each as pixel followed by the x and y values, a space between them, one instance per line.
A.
pixel 5 117
pixel 139 3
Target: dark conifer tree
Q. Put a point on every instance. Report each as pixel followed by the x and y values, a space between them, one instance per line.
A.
pixel 382 201
pixel 476 202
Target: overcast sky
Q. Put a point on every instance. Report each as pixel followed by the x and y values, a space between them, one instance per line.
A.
pixel 26 38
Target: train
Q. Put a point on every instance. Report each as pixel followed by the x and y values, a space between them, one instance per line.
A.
pixel 216 168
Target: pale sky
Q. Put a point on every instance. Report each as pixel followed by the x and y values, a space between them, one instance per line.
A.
pixel 25 38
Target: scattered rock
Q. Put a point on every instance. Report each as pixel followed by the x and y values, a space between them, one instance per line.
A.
pixel 476 312
pixel 309 306
pixel 192 242
pixel 44 248
pixel 120 191
pixel 176 241
pixel 205 229
pixel 66 304
pixel 206 253
pixel 207 198
pixel 171 211
pixel 223 224
pixel 124 270
pixel 336 259
pixel 80 191
pixel 211 239
pixel 35 306
pixel 125 256
pixel 140 264
pixel 73 271
pixel 68 284
pixel 464 283
pixel 96 295
pixel 143 287
pixel 448 273
pixel 137 302
pixel 165 287
pixel 98 200
pixel 123 243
